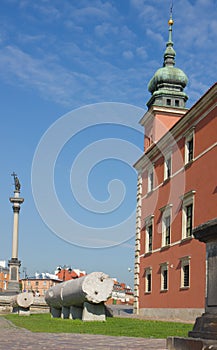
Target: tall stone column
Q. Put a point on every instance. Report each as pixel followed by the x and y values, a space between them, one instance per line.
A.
pixel 204 333
pixel 14 263
pixel 206 326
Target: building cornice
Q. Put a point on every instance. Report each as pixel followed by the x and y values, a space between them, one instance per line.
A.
pixel 153 110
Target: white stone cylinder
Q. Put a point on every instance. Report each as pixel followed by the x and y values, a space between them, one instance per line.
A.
pixel 94 288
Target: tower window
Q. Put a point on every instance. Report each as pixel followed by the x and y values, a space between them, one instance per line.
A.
pixel 168 102
pixel 177 103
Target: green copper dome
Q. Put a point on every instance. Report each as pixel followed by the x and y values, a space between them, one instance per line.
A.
pixel 167 75
pixel 168 82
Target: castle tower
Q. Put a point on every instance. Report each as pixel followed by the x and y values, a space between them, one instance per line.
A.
pixel 168 83
pixel 166 106
pixel 14 263
pixel 168 99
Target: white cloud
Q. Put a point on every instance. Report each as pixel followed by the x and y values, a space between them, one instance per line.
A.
pixel 64 86
pixel 141 52
pixel 156 37
pixel 138 4
pixel 106 28
pixel 128 55
pixel 51 80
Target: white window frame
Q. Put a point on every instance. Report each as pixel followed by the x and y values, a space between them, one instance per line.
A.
pixel 149 221
pixel 166 168
pixel 164 267
pixel 185 261
pixel 150 181
pixel 187 199
pixel 148 272
pixel 166 212
pixel 188 137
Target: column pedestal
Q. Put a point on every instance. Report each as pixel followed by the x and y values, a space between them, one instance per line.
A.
pixel 13 283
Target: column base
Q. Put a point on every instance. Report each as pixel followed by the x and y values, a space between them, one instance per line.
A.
pixel 13 287
pixel 177 343
pixel 205 327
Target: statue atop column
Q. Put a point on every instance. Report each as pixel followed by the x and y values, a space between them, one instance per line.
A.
pixel 17 184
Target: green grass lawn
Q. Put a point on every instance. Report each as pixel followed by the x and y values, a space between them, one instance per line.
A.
pixel 128 327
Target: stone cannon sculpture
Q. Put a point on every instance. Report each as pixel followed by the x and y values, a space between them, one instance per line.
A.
pixel 21 303
pixel 82 298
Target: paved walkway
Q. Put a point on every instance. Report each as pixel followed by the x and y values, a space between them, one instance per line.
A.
pixel 15 338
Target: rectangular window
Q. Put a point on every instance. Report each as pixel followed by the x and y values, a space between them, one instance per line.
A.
pixel 189 147
pixel 185 272
pixel 150 231
pixel 187 214
pixel 167 167
pixel 166 224
pixel 167 230
pixel 150 179
pixel 149 225
pixel 186 275
pixel 148 280
pixel 164 276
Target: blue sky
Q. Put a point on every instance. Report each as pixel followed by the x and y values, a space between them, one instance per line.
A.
pixel 58 56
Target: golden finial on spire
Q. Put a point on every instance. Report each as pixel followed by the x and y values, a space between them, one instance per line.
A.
pixel 170 22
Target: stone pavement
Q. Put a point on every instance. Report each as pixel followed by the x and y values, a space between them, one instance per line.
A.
pixel 15 338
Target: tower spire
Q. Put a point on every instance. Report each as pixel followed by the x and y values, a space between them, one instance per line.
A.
pixel 168 83
pixel 169 54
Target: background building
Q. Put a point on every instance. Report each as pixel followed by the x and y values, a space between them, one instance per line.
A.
pixel 4 276
pixel 65 273
pixel 39 283
pixel 176 191
pixel 121 295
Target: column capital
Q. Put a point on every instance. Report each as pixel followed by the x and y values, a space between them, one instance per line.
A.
pixel 16 209
pixel 207 231
pixel 17 200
